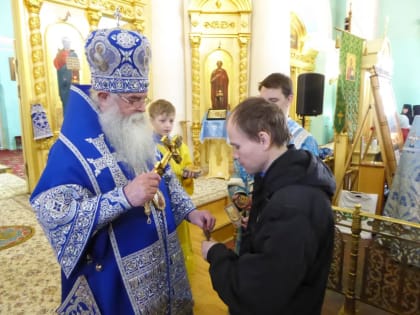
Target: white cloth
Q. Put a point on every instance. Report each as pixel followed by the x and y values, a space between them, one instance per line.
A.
pixel 349 199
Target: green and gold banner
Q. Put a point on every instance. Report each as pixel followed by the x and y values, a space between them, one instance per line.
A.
pixel 348 86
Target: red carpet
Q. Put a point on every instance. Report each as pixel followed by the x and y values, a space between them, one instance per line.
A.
pixel 13 159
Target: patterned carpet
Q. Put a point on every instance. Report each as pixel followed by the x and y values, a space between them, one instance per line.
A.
pixel 24 286
pixel 11 185
pixel 30 275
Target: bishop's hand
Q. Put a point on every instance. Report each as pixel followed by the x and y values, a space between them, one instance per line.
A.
pixel 142 188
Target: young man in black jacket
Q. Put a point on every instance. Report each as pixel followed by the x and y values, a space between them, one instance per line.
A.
pixel 286 250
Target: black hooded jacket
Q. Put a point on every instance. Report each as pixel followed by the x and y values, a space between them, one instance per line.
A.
pixel 287 247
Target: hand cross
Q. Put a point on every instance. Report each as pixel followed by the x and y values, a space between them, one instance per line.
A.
pixel 173 152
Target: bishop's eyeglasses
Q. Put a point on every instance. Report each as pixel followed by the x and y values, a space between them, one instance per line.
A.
pixel 132 100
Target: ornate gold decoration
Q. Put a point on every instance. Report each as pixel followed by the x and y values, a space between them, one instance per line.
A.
pixel 195 130
pixel 243 67
pixel 391 265
pixel 227 24
pixel 219 24
pixel 336 270
pixel 93 17
pixel 158 202
pixel 196 126
pixel 38 67
pixel 172 152
pixel 301 60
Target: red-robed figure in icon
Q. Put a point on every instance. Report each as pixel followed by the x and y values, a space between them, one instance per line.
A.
pixel 67 64
pixel 219 87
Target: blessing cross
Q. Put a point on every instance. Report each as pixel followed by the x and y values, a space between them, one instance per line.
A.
pixel 158 199
pixel 173 152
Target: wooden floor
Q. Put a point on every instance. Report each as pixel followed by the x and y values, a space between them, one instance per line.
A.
pixel 207 302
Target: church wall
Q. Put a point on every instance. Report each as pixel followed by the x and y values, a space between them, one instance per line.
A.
pixel 404 34
pixel 9 102
pixel 167 68
pixel 270 41
pixel 369 19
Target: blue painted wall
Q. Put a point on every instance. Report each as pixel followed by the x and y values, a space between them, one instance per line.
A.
pixel 9 101
pixel 404 34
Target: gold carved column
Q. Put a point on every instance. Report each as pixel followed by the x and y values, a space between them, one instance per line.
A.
pixel 35 152
pixel 93 16
pixel 243 66
pixel 195 71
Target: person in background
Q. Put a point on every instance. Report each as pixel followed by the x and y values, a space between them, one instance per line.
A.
pixel 106 201
pixel 407 110
pixel 278 89
pixel 286 250
pixel 404 125
pixel 416 112
pixel 162 116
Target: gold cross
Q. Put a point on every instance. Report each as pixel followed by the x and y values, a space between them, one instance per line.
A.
pixel 173 152
pixel 340 116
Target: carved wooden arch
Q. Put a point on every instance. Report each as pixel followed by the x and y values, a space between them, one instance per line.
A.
pixel 297 33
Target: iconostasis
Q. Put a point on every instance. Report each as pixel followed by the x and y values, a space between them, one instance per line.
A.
pixel 50 38
pixel 219 33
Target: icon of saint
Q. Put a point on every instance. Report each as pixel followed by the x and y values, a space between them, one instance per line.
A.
pixel 68 66
pixel 219 87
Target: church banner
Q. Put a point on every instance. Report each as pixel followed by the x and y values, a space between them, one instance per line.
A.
pixel 348 86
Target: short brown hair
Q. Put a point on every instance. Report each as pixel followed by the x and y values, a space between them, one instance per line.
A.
pixel 159 107
pixel 255 114
pixel 277 80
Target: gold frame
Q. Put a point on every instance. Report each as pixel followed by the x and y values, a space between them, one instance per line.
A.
pixel 217 114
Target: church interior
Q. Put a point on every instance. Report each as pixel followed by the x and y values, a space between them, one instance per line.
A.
pixel 353 66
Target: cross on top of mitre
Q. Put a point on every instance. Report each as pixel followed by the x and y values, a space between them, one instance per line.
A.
pixel 118 15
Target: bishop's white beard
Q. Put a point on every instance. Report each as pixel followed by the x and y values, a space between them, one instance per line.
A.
pixel 131 137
